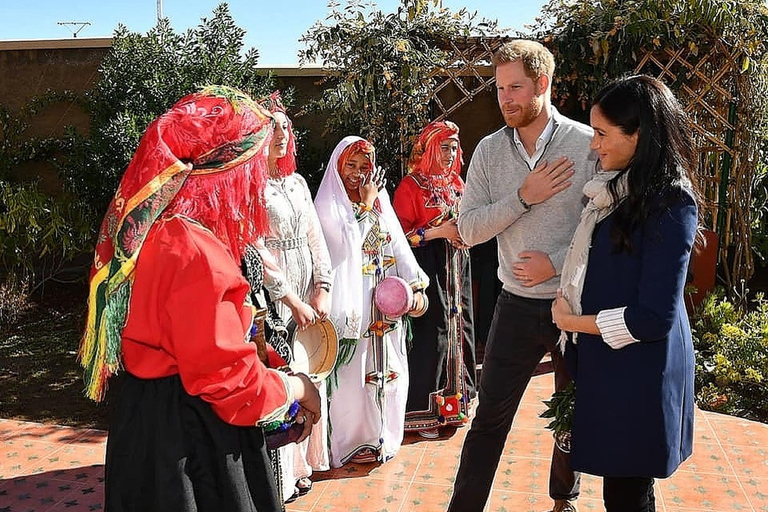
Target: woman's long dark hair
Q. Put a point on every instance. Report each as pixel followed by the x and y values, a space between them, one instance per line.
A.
pixel 663 163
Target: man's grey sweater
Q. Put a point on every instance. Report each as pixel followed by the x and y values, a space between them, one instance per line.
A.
pixel 490 206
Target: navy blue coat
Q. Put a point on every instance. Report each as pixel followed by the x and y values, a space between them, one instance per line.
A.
pixel 635 405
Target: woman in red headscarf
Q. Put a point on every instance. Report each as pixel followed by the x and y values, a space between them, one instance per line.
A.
pixel 442 358
pixel 169 304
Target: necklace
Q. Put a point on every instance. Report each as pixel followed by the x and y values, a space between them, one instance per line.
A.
pixel 274 172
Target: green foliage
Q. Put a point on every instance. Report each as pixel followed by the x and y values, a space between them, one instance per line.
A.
pixel 759 207
pixel 732 356
pixel 560 409
pixel 380 69
pixel 16 148
pixel 597 40
pixel 140 78
pixel 38 235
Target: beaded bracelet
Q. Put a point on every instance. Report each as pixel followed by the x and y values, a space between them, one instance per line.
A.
pixel 417 238
pixel 283 425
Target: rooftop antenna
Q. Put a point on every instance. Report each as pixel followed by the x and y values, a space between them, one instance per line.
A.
pixel 80 25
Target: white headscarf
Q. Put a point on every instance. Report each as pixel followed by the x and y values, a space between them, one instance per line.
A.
pixel 342 234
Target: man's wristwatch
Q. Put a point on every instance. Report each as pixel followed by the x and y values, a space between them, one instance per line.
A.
pixel 522 201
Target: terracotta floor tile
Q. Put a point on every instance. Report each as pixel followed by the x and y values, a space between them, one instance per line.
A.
pixel 702 491
pixel 53 433
pixel 757 492
pixel 49 468
pixel 510 501
pixel 85 475
pixel 308 501
pixel 362 495
pixel 86 499
pixel 707 458
pixel 11 429
pixel 35 493
pixel 401 468
pixel 520 474
pixel 751 461
pixel 737 431
pixel 529 442
pixel 19 454
pixel 69 456
pixel 426 497
pixel 438 467
pixel 591 488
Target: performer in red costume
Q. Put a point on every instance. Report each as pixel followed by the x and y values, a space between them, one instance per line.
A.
pixel 168 302
pixel 442 359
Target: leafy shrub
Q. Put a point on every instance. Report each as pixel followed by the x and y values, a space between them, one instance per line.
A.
pixel 38 236
pixel 14 300
pixel 140 78
pixel 381 69
pixel 732 356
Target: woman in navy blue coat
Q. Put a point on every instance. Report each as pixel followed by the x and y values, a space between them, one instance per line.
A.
pixel 622 296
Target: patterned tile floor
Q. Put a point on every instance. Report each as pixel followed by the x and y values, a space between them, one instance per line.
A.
pixel 50 468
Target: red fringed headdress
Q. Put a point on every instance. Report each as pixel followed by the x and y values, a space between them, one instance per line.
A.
pixel 359 147
pixel 223 134
pixel 287 164
pixel 425 156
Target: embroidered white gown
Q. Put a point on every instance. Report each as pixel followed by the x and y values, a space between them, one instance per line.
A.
pixel 367 402
pixel 295 241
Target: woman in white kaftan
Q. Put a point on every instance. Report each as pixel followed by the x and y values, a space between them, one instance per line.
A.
pixel 369 387
pixel 301 289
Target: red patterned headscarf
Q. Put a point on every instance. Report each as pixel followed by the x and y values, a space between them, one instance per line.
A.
pixel 425 156
pixel 360 147
pixel 222 133
pixel 287 164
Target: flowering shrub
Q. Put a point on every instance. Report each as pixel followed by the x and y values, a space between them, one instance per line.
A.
pixel 732 356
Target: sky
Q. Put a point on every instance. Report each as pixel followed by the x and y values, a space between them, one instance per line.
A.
pixel 273 26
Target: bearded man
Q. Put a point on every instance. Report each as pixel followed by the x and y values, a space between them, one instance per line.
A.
pixel 524 187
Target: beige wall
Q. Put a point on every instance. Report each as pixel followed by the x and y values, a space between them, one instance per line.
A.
pixel 31 68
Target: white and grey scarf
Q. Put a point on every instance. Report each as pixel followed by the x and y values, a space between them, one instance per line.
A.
pixel 600 205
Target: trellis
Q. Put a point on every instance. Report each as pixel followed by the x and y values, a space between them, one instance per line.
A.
pixel 708 83
pixel 712 88
pixel 468 70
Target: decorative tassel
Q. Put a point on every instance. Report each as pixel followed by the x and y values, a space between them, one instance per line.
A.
pixel 100 355
pixel 408 326
pixel 347 347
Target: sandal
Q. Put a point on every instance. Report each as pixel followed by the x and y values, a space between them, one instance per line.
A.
pixel 293 497
pixel 303 485
pixel 430 433
pixel 365 456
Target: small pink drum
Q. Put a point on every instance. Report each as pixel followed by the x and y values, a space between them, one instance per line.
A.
pixel 393 296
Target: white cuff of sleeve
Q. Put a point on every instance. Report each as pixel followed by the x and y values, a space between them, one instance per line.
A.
pixel 613 329
pixel 281 412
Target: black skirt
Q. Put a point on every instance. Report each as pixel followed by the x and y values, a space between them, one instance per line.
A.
pixel 168 451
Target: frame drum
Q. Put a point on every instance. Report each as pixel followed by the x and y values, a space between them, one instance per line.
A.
pixel 314 349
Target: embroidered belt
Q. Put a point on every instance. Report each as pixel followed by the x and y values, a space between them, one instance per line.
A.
pixel 286 243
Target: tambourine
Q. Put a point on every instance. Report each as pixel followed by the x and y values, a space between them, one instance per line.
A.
pixel 393 296
pixel 314 349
